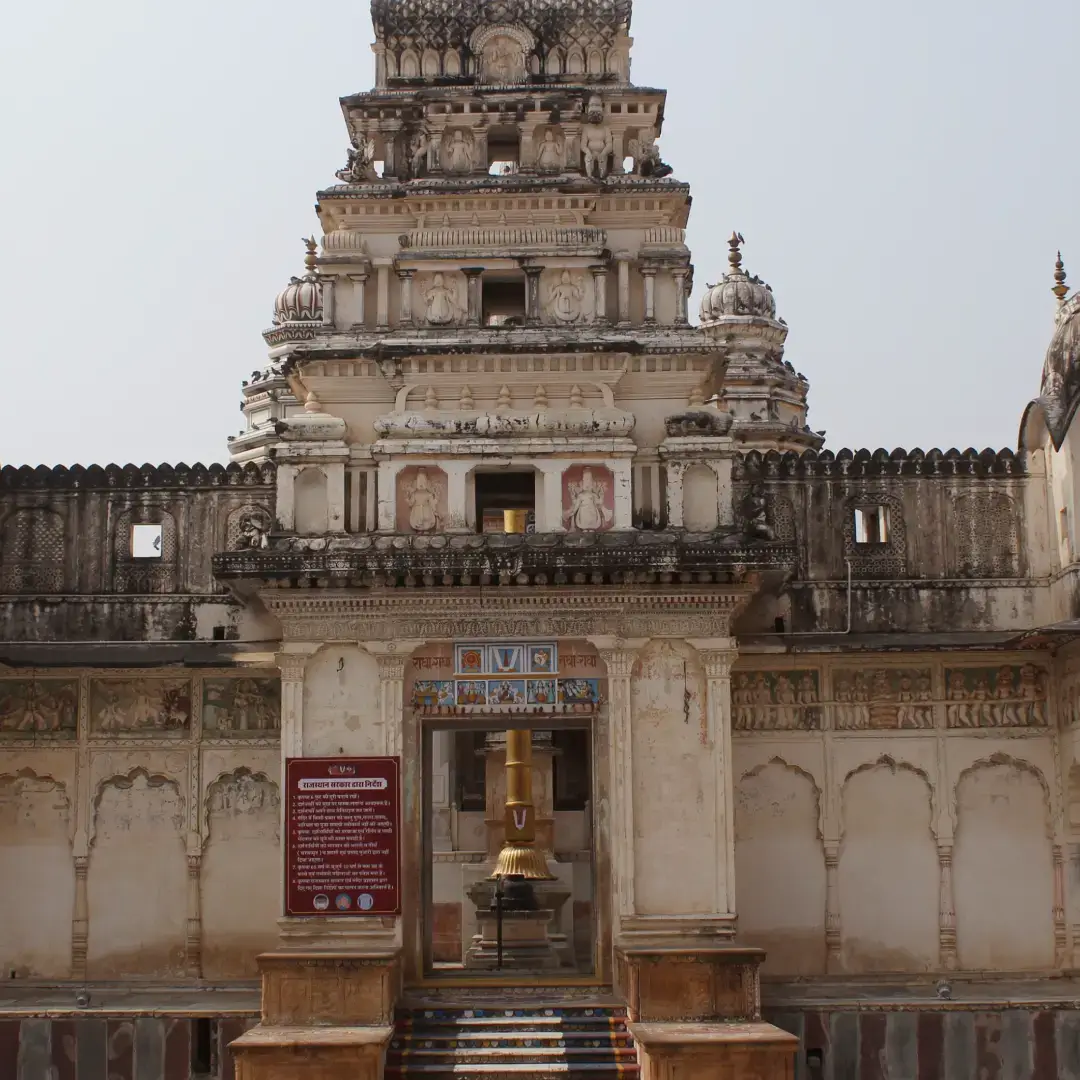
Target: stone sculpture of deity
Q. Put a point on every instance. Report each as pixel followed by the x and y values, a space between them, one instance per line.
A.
pixel 458 153
pixel 441 303
pixel 418 151
pixel 361 164
pixel 422 498
pixel 597 144
pixel 588 511
pixel 503 61
pixel 551 155
pixel 564 303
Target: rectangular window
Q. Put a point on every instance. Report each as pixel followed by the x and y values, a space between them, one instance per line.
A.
pixel 504 151
pixel 503 301
pixel 872 525
pixel 146 541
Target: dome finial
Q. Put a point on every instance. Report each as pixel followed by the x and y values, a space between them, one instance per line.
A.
pixel 735 255
pixel 312 246
pixel 1060 289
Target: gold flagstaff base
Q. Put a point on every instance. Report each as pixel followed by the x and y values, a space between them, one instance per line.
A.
pixel 522 860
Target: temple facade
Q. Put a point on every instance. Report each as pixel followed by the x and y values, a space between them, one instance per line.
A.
pixel 714 752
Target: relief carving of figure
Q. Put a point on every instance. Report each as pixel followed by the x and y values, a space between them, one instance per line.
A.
pixel 458 152
pixel 587 512
pixel 418 152
pixel 564 301
pixel 360 166
pixel 755 510
pixel 597 143
pixel 503 61
pixel 1033 695
pixel 422 498
pixel 442 306
pixel 254 532
pixel 646 155
pixel 551 154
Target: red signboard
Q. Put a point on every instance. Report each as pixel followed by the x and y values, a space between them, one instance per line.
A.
pixel 342 852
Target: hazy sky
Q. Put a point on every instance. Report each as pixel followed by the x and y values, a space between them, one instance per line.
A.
pixel 903 174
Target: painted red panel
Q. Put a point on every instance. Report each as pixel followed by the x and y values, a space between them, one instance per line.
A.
pixel 1045 1051
pixel 64 1050
pixel 931 1042
pixel 9 1047
pixel 872 1045
pixel 988 1045
pixel 178 1049
pixel 121 1050
pixel 343 852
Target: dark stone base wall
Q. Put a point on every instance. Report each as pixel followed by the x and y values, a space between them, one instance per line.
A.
pixel 961 1042
pixel 118 1048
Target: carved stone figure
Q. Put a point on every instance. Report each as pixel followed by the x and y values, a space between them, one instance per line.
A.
pixel 698 423
pixel 755 513
pixel 646 155
pixel 588 511
pixel 776 701
pixel 254 531
pixel 564 300
pixel 503 61
pixel 360 166
pixel 441 302
pixel 551 154
pixel 996 697
pixel 458 152
pixel 422 497
pixel 597 143
pixel 418 153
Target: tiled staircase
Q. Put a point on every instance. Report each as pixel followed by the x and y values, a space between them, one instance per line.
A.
pixel 533 1042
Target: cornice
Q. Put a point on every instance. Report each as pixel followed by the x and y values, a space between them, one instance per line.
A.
pixel 134 477
pixel 845 463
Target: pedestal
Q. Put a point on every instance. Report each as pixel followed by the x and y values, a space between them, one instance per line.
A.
pixel 526 946
pixel 695 1013
pixel 324 1014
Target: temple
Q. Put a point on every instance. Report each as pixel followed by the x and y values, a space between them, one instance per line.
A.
pixel 678 746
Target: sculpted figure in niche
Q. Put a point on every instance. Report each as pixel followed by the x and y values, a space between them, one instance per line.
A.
pixel 418 151
pixel 441 303
pixel 588 511
pixel 422 498
pixel 503 61
pixel 254 531
pixel 597 144
pixel 458 153
pixel 551 155
pixel 361 164
pixel 646 155
pixel 564 302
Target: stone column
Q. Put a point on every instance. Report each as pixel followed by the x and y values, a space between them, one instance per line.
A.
pixel 457 502
pixel 649 274
pixel 382 313
pixel 291 662
pixel 387 500
pixel 193 943
pixel 619 656
pixel 359 283
pixel 680 274
pixel 622 260
pixel 80 923
pixel 472 279
pixel 717 657
pixel 328 282
pixel 622 469
pixel 833 958
pixel 599 274
pixel 549 512
pixel 946 909
pixel 533 313
pixel 674 471
pixel 1061 937
pixel 392 657
pixel 405 314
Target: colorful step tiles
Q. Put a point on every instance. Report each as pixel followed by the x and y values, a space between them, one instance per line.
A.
pixel 534 1042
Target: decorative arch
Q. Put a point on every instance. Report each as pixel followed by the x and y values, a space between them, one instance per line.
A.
pixel 409 66
pixel 819 795
pixel 219 786
pixel 889 762
pixel 131 575
pixel 1000 758
pixel 430 65
pixel 125 781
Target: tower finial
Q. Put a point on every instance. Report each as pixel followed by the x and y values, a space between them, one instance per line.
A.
pixel 312 246
pixel 735 255
pixel 1060 289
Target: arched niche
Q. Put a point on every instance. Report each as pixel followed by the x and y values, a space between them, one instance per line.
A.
pixel 312 503
pixel 1003 868
pixel 888 870
pixel 701 499
pixel 777 842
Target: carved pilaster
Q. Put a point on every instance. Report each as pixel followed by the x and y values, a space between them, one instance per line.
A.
pixel 680 274
pixel 1074 883
pixel 475 301
pixel 359 282
pixel 833 959
pixel 717 656
pixel 80 923
pixel 649 274
pixel 619 656
pixel 193 942
pixel 1061 938
pixel 329 283
pixel 391 658
pixel 599 294
pixel 623 263
pixel 946 910
pixel 291 665
pixel 405 313
pixel 533 311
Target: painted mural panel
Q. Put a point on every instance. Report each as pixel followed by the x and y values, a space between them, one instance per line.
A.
pixel 1004 696
pixel 883 698
pixel 788 700
pixel 140 706
pixel 241 707
pixel 39 707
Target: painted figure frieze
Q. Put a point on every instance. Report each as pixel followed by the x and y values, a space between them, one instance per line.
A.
pixel 883 698
pixel 140 706
pixel 1003 696
pixel 239 708
pixel 788 700
pixel 39 707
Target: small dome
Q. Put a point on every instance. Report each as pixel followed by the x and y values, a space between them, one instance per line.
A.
pixel 301 299
pixel 738 294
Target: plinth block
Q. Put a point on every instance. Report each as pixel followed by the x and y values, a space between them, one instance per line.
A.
pixel 312 989
pixel 690 984
pixel 715 1051
pixel 302 1053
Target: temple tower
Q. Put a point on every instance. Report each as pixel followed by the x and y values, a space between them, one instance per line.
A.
pixel 503 504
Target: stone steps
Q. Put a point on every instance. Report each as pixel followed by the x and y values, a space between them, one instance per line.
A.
pixel 530 1042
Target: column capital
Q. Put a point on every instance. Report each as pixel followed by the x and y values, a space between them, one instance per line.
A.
pixel 718 655
pixel 392 656
pixel 293 658
pixel 617 653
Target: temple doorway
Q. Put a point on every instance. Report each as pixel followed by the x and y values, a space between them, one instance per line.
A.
pixel 509 882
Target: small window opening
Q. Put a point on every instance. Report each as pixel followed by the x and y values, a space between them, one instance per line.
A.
pixel 470 759
pixel 570 779
pixel 503 301
pixel 146 541
pixel 506 502
pixel 379 167
pixel 628 164
pixel 504 152
pixel 872 525
pixel 202 1049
